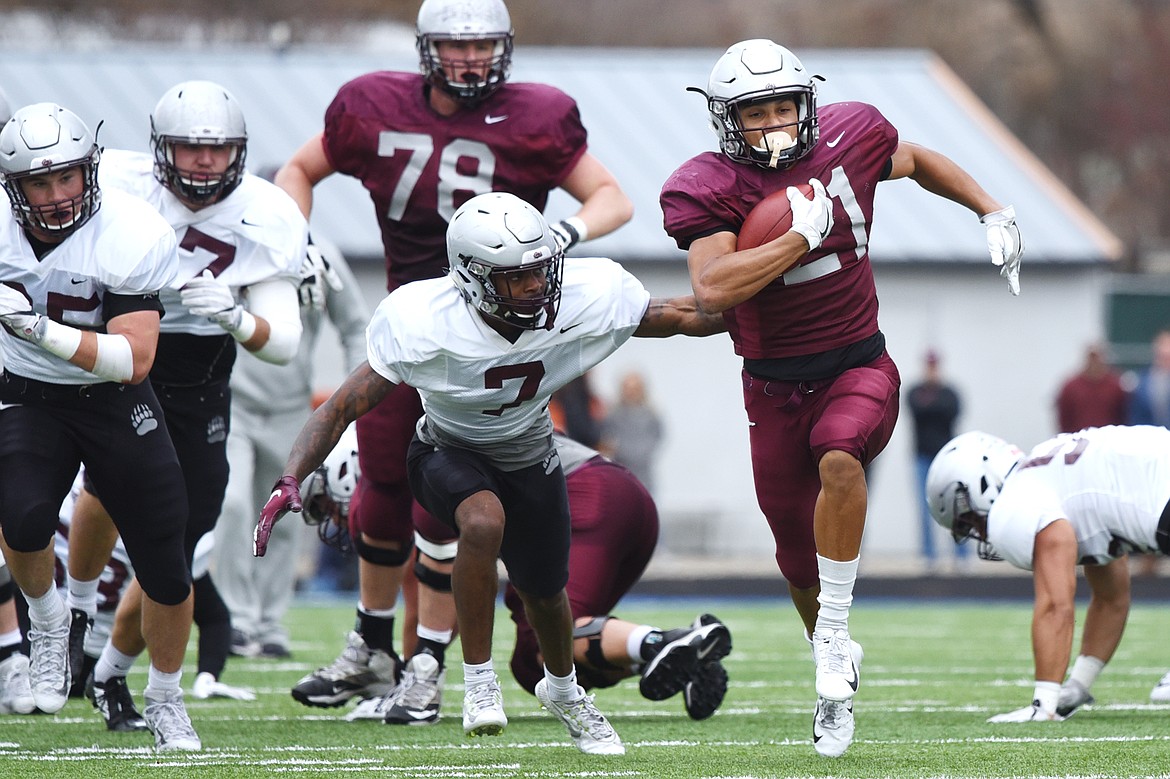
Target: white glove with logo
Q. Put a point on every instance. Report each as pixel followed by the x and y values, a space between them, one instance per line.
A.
pixel 317 278
pixel 1005 244
pixel 208 296
pixel 811 218
pixel 17 313
pixel 568 232
pixel 207 686
pixel 1030 713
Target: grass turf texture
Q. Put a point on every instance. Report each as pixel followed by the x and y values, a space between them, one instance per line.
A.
pixel 933 674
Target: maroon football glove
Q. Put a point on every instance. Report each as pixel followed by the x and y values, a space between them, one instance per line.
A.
pixel 286 497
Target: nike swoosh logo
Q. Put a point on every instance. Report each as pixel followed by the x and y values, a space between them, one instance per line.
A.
pixel 831 144
pixel 249 224
pixel 76 281
pixel 853 682
pixel 570 327
pixel 494 119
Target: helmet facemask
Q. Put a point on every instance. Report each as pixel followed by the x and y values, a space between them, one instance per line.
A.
pixel 328 491
pixel 198 113
pixel 463 21
pixel 970 524
pixel 780 145
pixel 501 303
pixel 197 187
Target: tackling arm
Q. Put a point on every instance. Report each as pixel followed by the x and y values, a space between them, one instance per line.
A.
pixel 678 316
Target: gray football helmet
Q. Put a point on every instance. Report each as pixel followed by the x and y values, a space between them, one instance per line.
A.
pixel 46 138
pixel 755 71
pixel 327 492
pixel 464 20
pixel 198 112
pixel 496 234
pixel 963 482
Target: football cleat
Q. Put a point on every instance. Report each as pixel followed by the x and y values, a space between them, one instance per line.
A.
pixel 1073 696
pixel 49 665
pixel 16 695
pixel 116 705
pixel 374 709
pixel 79 624
pixel 703 694
pixel 837 673
pixel 832 727
pixel 483 709
pixel 166 716
pixel 357 671
pixel 1161 692
pixel 243 645
pixel 421 693
pixel 588 727
pixel 706 640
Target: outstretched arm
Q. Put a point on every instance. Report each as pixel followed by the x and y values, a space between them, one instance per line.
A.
pixel 604 206
pixel 678 316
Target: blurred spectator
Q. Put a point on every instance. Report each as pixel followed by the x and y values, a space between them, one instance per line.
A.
pixel 1150 405
pixel 934 407
pixel 1093 397
pixel 632 430
pixel 577 411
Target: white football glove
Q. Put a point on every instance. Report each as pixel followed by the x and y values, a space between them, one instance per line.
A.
pixel 567 232
pixel 317 278
pixel 1030 713
pixel 813 219
pixel 207 686
pixel 208 296
pixel 1005 244
pixel 17 313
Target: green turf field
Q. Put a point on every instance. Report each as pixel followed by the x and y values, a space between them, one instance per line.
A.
pixel 933 673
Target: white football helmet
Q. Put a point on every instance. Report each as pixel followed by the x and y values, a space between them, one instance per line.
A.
pixel 965 479
pixel 755 71
pixel 198 112
pixel 327 492
pixel 490 238
pixel 464 20
pixel 45 138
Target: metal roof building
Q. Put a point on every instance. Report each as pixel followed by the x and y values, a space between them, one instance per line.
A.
pixel 642 125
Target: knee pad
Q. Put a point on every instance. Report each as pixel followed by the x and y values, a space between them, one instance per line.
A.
pixel 390 558
pixel 442 552
pixel 591 631
pixel 436 580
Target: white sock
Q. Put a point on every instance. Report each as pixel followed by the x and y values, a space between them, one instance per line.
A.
pixel 82 594
pixel 46 611
pixel 379 613
pixel 158 682
pixel 634 642
pixel 438 636
pixel 562 688
pixel 112 663
pixel 1085 670
pixel 10 638
pixel 475 674
pixel 837 580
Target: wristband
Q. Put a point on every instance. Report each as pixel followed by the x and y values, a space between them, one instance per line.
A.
pixel 244 331
pixel 61 340
pixel 575 223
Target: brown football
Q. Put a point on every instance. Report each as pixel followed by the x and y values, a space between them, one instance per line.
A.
pixel 770 219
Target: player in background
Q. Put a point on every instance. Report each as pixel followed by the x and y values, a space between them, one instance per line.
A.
pixel 242 242
pixel 486 347
pixel 1087 499
pixel 422 144
pixel 614 526
pixel 79 337
pixel 820 389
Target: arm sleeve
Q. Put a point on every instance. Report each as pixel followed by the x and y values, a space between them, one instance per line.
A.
pixel 275 300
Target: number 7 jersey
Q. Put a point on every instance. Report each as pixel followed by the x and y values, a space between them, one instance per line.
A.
pixel 419 167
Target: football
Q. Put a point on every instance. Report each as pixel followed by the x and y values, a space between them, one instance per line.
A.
pixel 770 219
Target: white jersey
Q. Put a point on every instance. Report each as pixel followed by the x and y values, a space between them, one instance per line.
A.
pixel 254 234
pixel 478 390
pixel 1110 483
pixel 125 248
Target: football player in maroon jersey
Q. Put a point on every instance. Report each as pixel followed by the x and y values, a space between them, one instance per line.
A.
pixel 423 144
pixel 820 390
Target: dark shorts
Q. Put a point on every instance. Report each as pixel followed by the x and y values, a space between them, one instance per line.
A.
pixel 535 548
pixel 615 530
pixel 117 432
pixel 381 506
pixel 791 426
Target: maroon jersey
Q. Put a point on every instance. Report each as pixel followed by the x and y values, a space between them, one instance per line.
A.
pixel 829 300
pixel 419 167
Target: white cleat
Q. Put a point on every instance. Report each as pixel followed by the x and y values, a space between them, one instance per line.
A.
pixel 588 727
pixel 837 673
pixel 483 710
pixel 1161 693
pixel 832 727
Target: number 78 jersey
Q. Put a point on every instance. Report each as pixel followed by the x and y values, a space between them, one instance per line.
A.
pixel 419 167
pixel 1111 483
pixel 482 392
